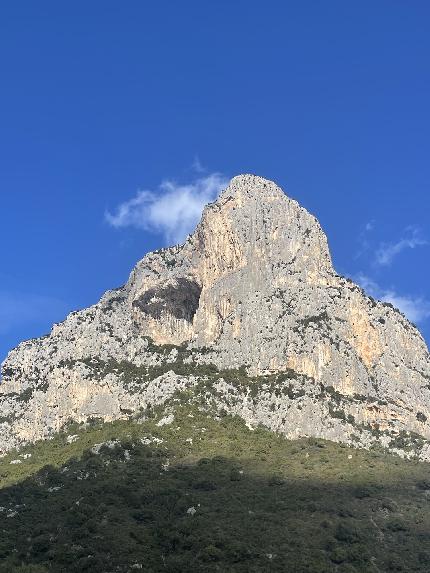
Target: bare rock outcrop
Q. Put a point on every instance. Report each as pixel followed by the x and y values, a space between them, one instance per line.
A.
pixel 253 288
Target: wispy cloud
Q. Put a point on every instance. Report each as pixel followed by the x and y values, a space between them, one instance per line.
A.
pixel 416 309
pixel 197 165
pixel 363 238
pixel 386 252
pixel 173 209
pixel 18 309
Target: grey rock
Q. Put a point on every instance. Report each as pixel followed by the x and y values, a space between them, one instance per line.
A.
pixel 253 286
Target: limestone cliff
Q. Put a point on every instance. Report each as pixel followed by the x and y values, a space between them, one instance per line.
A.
pixel 251 315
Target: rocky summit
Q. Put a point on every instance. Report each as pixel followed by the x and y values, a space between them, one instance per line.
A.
pixel 246 318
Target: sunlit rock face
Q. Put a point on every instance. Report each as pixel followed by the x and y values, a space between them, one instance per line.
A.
pixel 253 286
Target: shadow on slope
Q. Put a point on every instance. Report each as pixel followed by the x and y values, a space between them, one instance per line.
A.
pixel 203 495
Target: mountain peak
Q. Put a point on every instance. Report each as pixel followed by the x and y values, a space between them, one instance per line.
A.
pixel 251 186
pixel 255 229
pixel 252 288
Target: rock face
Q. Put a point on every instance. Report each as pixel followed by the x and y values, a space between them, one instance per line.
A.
pixel 254 289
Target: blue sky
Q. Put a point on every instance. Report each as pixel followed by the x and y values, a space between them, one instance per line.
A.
pixel 110 111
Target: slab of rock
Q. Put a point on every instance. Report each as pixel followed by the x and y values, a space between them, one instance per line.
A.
pixel 253 286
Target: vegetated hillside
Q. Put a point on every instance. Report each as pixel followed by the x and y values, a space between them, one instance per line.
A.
pixel 181 490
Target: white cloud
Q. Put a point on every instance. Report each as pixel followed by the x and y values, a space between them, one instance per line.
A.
pixel 173 210
pixel 197 165
pixel 387 251
pixel 363 238
pixel 416 309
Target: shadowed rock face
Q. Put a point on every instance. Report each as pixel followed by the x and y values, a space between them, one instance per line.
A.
pixel 179 300
pixel 253 286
